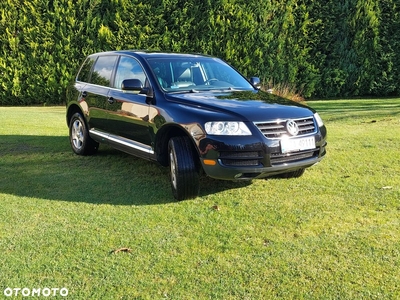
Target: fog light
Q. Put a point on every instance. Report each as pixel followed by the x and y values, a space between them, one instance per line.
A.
pixel 238 175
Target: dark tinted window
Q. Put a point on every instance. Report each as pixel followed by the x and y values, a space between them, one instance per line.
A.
pixel 103 69
pixel 84 73
pixel 128 68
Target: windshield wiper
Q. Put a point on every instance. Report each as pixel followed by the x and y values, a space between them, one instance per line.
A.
pixel 183 91
pixel 223 89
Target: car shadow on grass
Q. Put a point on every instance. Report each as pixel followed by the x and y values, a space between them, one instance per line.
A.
pixel 45 167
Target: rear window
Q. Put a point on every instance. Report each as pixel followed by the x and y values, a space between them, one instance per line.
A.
pixel 98 70
pixel 103 70
pixel 84 73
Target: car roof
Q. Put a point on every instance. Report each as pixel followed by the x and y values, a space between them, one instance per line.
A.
pixel 149 53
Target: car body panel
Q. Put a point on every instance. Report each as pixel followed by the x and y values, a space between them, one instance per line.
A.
pixel 253 106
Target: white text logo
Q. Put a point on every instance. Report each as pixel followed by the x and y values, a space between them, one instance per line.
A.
pixel 26 292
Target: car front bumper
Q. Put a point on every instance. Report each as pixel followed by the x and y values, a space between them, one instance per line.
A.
pixel 232 160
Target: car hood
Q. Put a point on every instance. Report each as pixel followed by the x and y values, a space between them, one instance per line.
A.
pixel 253 106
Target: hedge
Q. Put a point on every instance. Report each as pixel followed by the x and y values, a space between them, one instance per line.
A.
pixel 321 49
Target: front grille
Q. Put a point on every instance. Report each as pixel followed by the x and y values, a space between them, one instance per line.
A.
pixel 278 158
pixel 242 158
pixel 276 129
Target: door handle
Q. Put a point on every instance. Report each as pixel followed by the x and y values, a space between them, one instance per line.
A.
pixel 110 100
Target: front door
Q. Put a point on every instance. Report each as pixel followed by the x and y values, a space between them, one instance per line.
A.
pixel 129 113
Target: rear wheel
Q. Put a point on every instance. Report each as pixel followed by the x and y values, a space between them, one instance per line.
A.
pixel 81 142
pixel 184 171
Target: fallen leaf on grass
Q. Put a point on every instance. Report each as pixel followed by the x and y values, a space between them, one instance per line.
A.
pixel 387 188
pixel 121 250
pixel 215 207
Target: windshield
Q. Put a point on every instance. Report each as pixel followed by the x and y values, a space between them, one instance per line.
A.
pixel 196 73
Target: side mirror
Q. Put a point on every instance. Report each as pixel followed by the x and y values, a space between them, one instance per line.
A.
pixel 256 82
pixel 136 86
pixel 132 85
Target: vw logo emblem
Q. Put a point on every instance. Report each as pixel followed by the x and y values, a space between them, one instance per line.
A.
pixel 291 127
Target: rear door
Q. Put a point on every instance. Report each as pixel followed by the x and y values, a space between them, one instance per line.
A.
pixel 97 90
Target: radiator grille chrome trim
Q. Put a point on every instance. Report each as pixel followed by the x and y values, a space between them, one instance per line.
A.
pixel 277 129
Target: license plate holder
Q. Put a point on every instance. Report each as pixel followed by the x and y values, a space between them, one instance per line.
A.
pixel 297 144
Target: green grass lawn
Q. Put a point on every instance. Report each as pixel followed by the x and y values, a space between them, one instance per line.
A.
pixel 331 234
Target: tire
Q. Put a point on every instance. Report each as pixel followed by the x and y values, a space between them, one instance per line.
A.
pixel 81 142
pixel 293 174
pixel 184 171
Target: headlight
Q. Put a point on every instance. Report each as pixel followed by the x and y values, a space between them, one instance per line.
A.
pixel 226 128
pixel 319 120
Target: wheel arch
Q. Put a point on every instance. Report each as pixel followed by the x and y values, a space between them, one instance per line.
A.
pixel 162 138
pixel 71 110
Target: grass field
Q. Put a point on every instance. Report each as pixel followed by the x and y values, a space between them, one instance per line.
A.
pixel 331 234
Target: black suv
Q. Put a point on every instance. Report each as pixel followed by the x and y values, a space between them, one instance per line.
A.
pixel 191 113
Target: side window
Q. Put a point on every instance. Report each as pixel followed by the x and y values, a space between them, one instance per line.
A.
pixel 129 68
pixel 84 72
pixel 103 69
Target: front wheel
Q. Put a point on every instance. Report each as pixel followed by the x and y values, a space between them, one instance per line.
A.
pixel 184 171
pixel 81 142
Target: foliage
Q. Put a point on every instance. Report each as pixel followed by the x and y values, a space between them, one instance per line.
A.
pixel 323 49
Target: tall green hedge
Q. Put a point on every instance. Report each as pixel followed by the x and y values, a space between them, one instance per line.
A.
pixel 321 48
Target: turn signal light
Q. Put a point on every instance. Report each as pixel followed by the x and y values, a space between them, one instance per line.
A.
pixel 209 162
